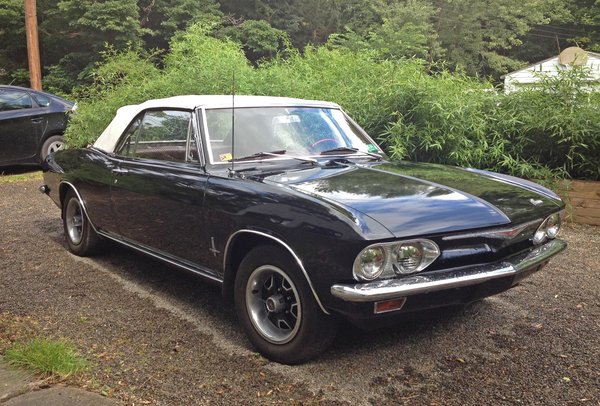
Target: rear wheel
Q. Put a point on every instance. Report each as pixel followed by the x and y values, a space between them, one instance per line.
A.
pixel 81 236
pixel 51 145
pixel 277 309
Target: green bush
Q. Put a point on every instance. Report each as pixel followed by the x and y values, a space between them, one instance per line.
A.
pixel 548 131
pixel 559 124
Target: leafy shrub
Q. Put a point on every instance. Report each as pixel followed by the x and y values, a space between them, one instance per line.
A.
pixel 558 124
pixel 197 64
pixel 548 130
pixel 446 118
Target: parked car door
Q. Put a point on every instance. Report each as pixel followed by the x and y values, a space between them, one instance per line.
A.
pixel 21 124
pixel 158 186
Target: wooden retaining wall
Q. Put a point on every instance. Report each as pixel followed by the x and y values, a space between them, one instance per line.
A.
pixel 583 200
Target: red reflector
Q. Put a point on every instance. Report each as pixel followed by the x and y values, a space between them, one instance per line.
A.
pixel 389 305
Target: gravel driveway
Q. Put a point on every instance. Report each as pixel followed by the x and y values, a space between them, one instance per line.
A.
pixel 160 336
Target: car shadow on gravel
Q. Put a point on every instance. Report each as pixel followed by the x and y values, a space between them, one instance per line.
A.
pixel 172 284
pixel 353 341
pixel 204 302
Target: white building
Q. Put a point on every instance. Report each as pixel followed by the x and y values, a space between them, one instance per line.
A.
pixel 532 74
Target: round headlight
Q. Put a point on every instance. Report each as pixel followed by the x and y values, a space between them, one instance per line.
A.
pixel 370 263
pixel 548 229
pixel 408 257
pixel 553 225
pixel 539 236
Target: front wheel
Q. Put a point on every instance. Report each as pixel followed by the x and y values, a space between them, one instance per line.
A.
pixel 81 236
pixel 277 309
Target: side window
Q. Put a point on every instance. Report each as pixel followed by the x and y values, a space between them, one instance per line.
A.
pixel 43 101
pixel 160 134
pixel 14 100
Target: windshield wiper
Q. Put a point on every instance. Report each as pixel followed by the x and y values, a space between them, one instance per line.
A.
pixel 278 153
pixel 335 151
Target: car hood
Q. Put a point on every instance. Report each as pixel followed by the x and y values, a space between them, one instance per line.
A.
pixel 416 199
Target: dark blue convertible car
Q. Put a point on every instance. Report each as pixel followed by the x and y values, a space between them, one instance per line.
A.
pixel 297 214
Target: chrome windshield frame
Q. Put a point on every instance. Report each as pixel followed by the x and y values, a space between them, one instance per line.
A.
pixel 210 157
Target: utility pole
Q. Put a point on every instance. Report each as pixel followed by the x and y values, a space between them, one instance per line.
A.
pixel 33 48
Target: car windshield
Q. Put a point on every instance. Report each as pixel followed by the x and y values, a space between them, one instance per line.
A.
pixel 295 131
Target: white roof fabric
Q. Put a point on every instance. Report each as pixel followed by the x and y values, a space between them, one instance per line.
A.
pixel 110 136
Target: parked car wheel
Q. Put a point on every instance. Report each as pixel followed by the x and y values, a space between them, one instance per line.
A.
pixel 81 237
pixel 52 144
pixel 277 310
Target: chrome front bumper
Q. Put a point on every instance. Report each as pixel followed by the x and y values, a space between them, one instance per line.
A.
pixel 413 285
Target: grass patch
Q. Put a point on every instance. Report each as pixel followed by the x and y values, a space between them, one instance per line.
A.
pixel 19 177
pixel 48 357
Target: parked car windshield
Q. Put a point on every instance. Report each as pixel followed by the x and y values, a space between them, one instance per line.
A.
pixel 298 131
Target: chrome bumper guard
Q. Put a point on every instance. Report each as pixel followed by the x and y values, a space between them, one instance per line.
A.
pixel 413 285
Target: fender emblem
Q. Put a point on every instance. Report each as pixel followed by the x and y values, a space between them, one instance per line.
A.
pixel 212 248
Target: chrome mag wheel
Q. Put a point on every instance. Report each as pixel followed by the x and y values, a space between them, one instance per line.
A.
pixel 273 304
pixel 74 221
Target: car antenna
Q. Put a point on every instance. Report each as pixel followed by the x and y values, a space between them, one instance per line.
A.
pixel 232 170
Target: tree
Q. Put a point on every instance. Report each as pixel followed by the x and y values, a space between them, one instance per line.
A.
pixel 478 34
pixel 584 27
pixel 407 31
pixel 163 18
pixel 257 37
pixel 281 14
pixel 360 16
pixel 75 32
pixel 13 48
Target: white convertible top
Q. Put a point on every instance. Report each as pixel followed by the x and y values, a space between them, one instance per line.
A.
pixel 110 136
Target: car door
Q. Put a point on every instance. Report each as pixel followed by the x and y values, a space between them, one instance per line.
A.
pixel 158 186
pixel 20 126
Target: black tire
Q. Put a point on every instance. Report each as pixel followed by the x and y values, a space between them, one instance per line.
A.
pixel 287 325
pixel 52 144
pixel 81 236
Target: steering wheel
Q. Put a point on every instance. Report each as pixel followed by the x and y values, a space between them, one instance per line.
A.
pixel 314 144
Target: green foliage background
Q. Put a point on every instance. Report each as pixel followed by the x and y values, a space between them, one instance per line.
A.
pixel 444 117
pixel 480 37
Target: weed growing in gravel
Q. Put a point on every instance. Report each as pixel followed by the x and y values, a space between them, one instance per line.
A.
pixel 49 357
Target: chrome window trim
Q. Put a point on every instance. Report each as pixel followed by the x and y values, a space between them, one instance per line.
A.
pixel 211 159
pixel 197 134
pixel 207 136
pixel 287 247
pixel 188 138
pixel 142 115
